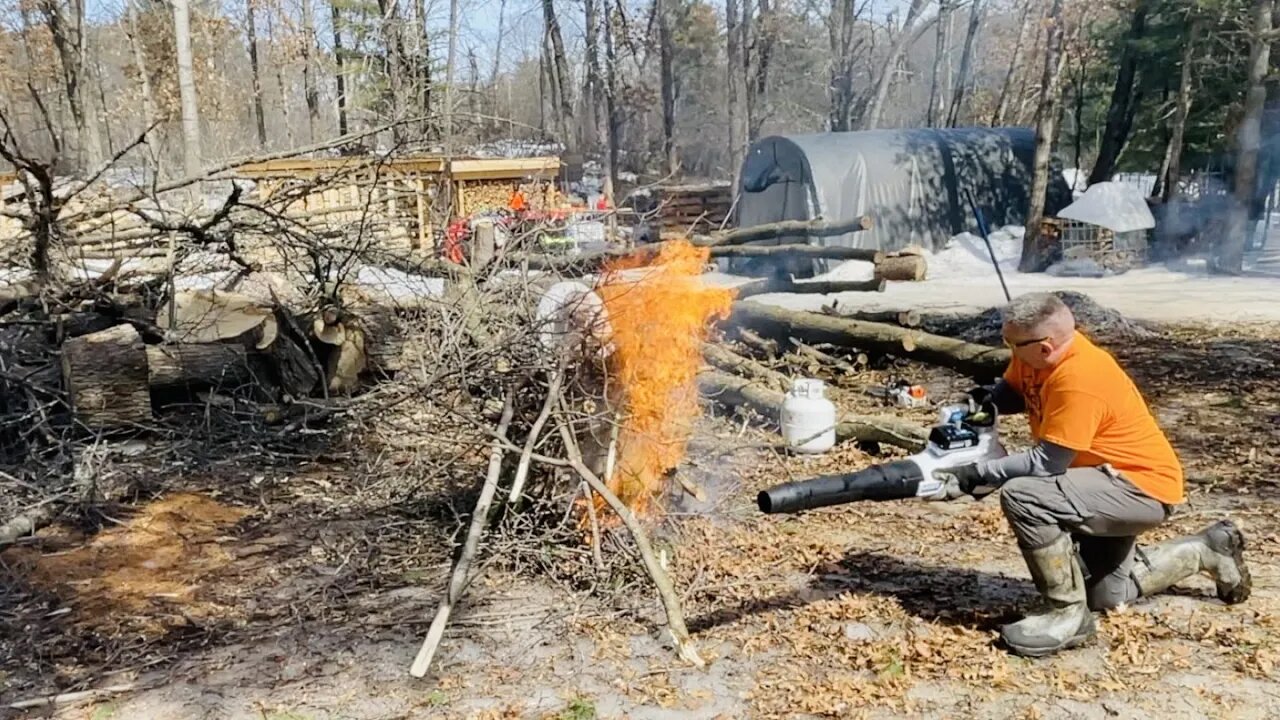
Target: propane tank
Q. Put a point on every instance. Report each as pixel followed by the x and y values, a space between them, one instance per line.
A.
pixel 808 418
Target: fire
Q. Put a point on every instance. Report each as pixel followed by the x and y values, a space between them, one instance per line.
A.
pixel 660 311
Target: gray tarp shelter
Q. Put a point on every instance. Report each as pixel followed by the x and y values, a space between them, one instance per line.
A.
pixel 914 183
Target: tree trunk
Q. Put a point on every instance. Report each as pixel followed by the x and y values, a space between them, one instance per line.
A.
pixel 1173 155
pixel 258 115
pixel 905 318
pixel 733 87
pixel 977 11
pixel 758 82
pixel 667 75
pixel 612 114
pixel 733 391
pixel 67 35
pixel 591 92
pixel 1123 103
pixel 835 252
pixel 339 67
pixel 1046 121
pixel 769 285
pixel 939 81
pixel 449 67
pixel 1002 105
pixel 779 324
pixel 393 66
pixel 1230 256
pixel 144 70
pixel 105 374
pixel 308 72
pixel 192 160
pixel 496 68
pixel 841 29
pixel 206 364
pixel 786 229
pixel 885 80
pixel 560 77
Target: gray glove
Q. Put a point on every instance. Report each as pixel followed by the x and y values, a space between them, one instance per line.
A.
pixel 963 480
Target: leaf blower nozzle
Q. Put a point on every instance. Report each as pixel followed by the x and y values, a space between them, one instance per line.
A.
pixel 897 480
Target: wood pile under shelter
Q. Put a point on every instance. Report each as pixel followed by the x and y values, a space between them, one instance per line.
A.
pixel 684 209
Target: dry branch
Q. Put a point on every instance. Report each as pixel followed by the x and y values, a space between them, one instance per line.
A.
pixel 733 391
pixel 981 361
pixel 479 518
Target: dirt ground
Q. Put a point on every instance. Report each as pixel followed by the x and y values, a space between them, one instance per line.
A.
pixel 211 604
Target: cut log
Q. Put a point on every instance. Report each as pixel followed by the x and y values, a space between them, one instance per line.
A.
pixel 733 391
pixel 980 361
pixel 732 362
pixel 763 286
pixel 191 364
pixel 905 318
pixel 787 228
pixel 107 379
pixel 905 267
pixel 802 251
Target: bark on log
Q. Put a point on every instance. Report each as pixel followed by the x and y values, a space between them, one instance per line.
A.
pixel 905 318
pixel 106 378
pixel 733 391
pixel 786 228
pixel 213 364
pixel 902 268
pixel 980 361
pixel 803 251
pixel 763 286
pixel 731 362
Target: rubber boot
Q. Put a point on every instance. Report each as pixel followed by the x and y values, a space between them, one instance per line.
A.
pixel 1064 621
pixel 1218 550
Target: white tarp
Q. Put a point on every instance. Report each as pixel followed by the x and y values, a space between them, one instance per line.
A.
pixel 1119 207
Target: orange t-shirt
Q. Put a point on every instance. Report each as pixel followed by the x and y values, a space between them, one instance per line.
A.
pixel 1089 404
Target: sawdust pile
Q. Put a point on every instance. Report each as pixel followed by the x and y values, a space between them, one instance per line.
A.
pixel 157 570
pixel 1092 318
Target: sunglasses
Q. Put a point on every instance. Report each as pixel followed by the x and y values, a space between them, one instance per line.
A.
pixel 1024 343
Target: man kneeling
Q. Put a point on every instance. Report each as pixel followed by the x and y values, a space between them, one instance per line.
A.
pixel 1101 472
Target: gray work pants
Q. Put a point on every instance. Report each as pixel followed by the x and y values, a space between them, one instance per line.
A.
pixel 1103 512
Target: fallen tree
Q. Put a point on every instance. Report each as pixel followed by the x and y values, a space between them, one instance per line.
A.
pixel 786 228
pixel 980 361
pixel 733 391
pixel 763 286
pixel 802 251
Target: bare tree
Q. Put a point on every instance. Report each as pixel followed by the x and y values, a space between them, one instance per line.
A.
pixel 68 36
pixel 151 116
pixel 735 90
pixel 187 87
pixel 941 77
pixel 393 64
pixel 884 80
pixel 309 91
pixel 842 26
pixel 662 12
pixel 592 95
pixel 1046 131
pixel 258 114
pixel 1001 114
pixel 558 73
pixel 977 13
pixel 613 124
pixel 339 63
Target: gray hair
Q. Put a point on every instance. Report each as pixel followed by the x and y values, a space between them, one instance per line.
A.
pixel 1035 310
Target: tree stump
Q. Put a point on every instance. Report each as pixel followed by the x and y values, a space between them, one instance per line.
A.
pixel 106 377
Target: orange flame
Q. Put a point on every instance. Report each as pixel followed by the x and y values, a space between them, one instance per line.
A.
pixel 660 311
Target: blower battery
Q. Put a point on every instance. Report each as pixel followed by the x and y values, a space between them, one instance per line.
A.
pixel 953 437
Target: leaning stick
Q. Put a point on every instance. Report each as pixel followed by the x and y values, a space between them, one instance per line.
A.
pixel 666 590
pixel 458 581
pixel 526 455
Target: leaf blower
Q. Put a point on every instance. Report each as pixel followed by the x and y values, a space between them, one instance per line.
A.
pixel 964 434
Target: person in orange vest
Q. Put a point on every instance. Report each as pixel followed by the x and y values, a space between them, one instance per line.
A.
pixel 517 203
